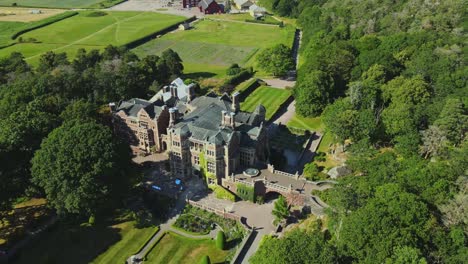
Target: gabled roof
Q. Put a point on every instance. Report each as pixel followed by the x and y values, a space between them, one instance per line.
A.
pixel 133 106
pixel 205 122
pixel 205 3
pixel 243 2
pixel 257 8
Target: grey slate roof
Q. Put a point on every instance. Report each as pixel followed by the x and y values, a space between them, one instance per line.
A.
pixel 205 3
pixel 133 106
pixel 205 122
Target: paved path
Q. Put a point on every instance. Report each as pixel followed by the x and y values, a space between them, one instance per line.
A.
pixel 159 6
pixel 288 115
pixel 279 83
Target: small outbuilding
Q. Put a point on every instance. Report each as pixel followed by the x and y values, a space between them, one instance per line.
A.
pixel 184 26
pixel 243 5
pixel 210 7
pixel 257 11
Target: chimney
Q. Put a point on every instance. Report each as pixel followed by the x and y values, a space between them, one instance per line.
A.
pixel 235 102
pixel 112 107
pixel 173 112
pixel 190 92
pixel 228 119
pixel 173 91
pixel 232 120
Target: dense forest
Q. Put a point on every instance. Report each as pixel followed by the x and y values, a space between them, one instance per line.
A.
pixel 53 114
pixel 389 79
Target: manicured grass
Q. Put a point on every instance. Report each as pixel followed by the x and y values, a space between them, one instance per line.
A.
pixel 51 3
pixel 175 249
pixel 132 240
pixel 307 123
pixel 218 43
pixel 82 244
pixel 270 98
pixel 81 31
pixel 240 17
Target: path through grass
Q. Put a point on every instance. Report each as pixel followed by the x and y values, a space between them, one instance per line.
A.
pixel 81 31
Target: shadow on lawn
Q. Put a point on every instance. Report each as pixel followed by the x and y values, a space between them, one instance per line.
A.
pixel 199 75
pixel 63 244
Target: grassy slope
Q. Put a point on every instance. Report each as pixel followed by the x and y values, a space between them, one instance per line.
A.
pixel 132 240
pixel 218 44
pixel 69 35
pixel 52 3
pixel 270 98
pixel 83 244
pixel 175 249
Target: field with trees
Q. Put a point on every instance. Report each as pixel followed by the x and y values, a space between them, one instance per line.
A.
pixel 90 30
pixel 175 249
pixel 271 98
pixel 218 44
pixel 386 79
pixel 61 3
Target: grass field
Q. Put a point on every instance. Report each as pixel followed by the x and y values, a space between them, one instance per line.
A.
pixel 82 31
pixel 99 244
pixel 307 123
pixel 175 249
pixel 218 43
pixel 23 14
pixel 52 3
pixel 270 98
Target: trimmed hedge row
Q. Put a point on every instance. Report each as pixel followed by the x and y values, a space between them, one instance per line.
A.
pixel 264 22
pixel 107 4
pixel 45 22
pixel 143 40
pixel 240 77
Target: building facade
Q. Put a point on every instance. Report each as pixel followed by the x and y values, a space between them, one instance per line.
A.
pixel 206 135
pixel 215 138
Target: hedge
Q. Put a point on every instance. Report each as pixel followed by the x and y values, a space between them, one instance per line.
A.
pixel 45 22
pixel 220 240
pixel 222 193
pixel 240 77
pixel 245 192
pixel 264 22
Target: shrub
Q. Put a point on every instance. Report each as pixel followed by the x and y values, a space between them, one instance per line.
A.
pixel 220 240
pixel 245 192
pixel 97 14
pixel 222 193
pixel 205 260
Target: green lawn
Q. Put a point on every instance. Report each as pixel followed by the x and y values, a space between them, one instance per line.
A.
pixel 81 31
pixel 100 244
pixel 307 123
pixel 52 3
pixel 218 43
pixel 175 249
pixel 270 98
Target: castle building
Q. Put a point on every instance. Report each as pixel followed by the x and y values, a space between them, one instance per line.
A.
pixel 206 135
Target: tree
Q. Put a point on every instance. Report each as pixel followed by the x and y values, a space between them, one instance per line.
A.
pixel 406 255
pixel 81 168
pixel 50 60
pixel 220 240
pixel 312 93
pixel 280 210
pixel 453 121
pixel 310 171
pixel 276 60
pixel 205 260
pixel 434 142
pixel 81 110
pixel 173 61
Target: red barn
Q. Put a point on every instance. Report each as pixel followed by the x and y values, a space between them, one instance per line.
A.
pixel 209 7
